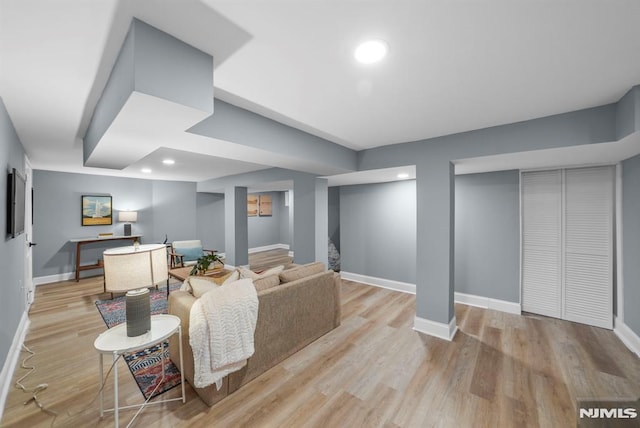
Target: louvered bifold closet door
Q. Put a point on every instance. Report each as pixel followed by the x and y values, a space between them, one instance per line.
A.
pixel 588 236
pixel 542 242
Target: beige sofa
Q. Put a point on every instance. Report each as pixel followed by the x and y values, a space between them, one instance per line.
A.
pixel 291 315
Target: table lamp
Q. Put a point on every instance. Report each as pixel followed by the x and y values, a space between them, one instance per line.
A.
pixel 127 217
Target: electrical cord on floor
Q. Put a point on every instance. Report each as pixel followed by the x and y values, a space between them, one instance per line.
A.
pixel 41 387
pixel 36 390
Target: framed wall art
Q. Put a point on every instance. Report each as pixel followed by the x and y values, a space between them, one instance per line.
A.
pixel 265 205
pixel 96 210
pixel 252 205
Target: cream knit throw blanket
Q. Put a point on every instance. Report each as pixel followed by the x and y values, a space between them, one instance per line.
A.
pixel 221 327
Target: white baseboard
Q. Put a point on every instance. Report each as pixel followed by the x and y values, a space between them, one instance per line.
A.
pixel 488 303
pixel 268 248
pixel 404 287
pixel 39 280
pixel 627 336
pixel 437 329
pixel 12 360
pixel 465 299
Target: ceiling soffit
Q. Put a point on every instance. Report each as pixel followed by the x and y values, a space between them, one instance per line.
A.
pixel 155 64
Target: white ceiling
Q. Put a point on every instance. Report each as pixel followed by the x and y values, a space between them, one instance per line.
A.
pixel 453 66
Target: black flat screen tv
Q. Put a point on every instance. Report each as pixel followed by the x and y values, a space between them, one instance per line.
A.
pixel 16 194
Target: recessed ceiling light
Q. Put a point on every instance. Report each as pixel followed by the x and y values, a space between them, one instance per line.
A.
pixel 403 175
pixel 371 51
pixel 146 170
pixel 168 161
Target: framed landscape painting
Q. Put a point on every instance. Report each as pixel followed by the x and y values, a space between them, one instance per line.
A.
pixel 96 210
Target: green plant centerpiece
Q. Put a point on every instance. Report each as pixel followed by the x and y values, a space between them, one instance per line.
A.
pixel 204 263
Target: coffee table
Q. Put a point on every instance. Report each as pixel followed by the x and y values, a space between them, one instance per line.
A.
pixel 182 273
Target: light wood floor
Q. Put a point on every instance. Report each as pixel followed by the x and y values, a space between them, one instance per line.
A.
pixel 372 371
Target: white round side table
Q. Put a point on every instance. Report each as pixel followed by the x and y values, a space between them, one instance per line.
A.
pixel 115 342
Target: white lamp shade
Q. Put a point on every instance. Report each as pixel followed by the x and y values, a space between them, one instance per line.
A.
pixel 126 268
pixel 128 216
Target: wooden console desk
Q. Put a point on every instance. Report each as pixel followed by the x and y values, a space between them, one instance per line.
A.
pixel 81 241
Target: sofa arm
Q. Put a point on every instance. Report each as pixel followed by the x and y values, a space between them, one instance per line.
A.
pixel 180 303
pixel 337 283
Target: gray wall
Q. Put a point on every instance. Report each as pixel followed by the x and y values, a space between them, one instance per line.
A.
pixel 240 126
pixel 267 230
pixel 236 236
pixel 305 204
pixel 380 219
pixel 631 241
pixel 262 230
pixel 174 211
pixel 286 220
pixel 164 208
pixel 150 62
pixel 378 230
pixel 435 195
pixel 210 220
pixel 334 216
pixel 487 235
pixel 13 302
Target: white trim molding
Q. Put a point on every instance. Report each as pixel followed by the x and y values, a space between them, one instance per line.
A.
pixel 437 329
pixel 269 248
pixel 465 299
pixel 12 360
pixel 627 336
pixel 40 280
pixel 488 303
pixel 404 287
pixel 619 231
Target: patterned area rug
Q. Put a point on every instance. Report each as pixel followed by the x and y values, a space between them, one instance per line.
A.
pixel 146 364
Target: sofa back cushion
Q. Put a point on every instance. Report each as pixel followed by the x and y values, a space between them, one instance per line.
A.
pixel 266 282
pixel 198 285
pixel 246 273
pixel 301 272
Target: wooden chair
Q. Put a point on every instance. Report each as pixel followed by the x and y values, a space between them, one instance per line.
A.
pixel 186 253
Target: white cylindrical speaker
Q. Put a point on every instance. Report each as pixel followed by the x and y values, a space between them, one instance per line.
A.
pixel 138 311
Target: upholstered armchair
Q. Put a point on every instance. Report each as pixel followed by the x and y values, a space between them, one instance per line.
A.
pixel 186 253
